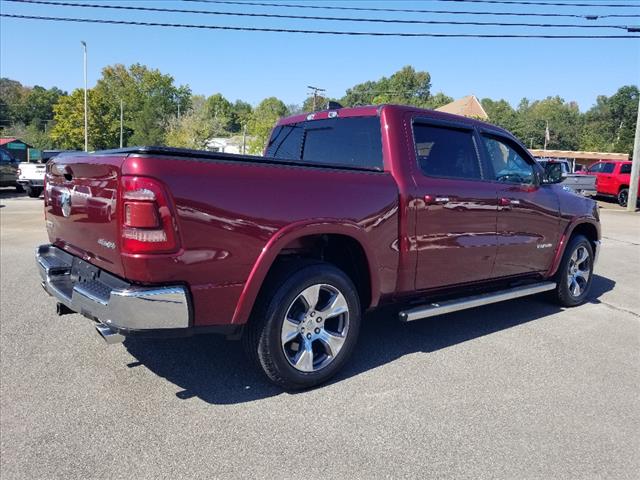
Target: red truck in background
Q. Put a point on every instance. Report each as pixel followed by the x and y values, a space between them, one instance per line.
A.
pixel 349 209
pixel 613 179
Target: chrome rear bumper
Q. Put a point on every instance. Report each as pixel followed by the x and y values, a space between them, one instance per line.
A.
pixel 115 303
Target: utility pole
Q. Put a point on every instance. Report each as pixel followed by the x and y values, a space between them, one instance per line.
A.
pixel 244 139
pixel 315 95
pixel 121 122
pixel 86 119
pixel 635 168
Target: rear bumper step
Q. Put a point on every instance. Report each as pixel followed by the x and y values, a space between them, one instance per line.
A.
pixel 449 306
pixel 117 305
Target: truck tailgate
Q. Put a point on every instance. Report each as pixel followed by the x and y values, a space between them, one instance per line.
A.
pixel 81 207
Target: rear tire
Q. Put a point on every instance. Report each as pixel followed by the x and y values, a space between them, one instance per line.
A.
pixel 34 192
pixel 305 324
pixel 623 197
pixel 575 273
pixel 19 188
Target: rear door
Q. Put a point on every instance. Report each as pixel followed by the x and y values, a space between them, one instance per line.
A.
pixel 456 210
pixel 528 218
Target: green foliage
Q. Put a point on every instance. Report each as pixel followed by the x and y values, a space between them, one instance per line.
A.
pixel 501 113
pixel 609 126
pixel 262 121
pixel 192 129
pixel 407 87
pixel 241 115
pixel 104 121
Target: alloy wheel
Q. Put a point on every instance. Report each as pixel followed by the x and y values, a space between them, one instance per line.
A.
pixel 579 271
pixel 315 327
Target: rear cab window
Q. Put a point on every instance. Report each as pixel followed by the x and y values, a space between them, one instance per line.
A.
pixel 352 142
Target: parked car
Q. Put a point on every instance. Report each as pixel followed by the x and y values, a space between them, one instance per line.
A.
pixel 31 178
pixel 613 179
pixel 350 209
pixel 581 184
pixel 9 171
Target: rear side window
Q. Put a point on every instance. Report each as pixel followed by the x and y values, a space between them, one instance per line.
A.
pixel 625 168
pixel 350 142
pixel 446 152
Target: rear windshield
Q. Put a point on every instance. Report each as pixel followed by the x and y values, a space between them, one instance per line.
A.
pixel 347 142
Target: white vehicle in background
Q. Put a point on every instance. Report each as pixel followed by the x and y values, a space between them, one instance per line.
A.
pixel 31 177
pixel 31 174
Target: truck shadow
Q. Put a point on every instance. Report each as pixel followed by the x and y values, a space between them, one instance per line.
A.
pixel 217 371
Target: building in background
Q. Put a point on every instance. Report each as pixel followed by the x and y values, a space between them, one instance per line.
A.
pixel 16 148
pixel 228 144
pixel 578 160
pixel 468 106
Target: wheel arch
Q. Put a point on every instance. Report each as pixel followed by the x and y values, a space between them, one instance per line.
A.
pixel 296 238
pixel 586 226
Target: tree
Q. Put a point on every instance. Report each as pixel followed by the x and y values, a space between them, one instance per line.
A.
pixel 150 100
pixel 104 121
pixel 262 121
pixel 192 129
pixel 406 86
pixel 501 113
pixel 609 125
pixel 219 112
pixel 241 114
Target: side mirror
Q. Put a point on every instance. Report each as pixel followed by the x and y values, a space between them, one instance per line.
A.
pixel 553 173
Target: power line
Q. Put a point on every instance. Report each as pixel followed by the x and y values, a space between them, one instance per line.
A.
pixel 413 10
pixel 307 17
pixel 554 4
pixel 315 32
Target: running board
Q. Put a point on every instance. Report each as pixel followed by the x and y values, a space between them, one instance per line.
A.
pixel 449 306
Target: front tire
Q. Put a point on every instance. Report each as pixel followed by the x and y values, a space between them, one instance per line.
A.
pixel 305 324
pixel 575 273
pixel 34 192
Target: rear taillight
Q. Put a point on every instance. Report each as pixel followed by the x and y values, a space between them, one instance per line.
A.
pixel 147 222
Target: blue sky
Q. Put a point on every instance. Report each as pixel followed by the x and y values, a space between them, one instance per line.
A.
pixel 252 66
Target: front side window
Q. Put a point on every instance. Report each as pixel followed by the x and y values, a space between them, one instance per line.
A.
pixel 508 165
pixel 597 168
pixel 446 152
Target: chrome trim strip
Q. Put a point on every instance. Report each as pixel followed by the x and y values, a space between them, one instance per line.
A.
pixel 449 306
pixel 123 306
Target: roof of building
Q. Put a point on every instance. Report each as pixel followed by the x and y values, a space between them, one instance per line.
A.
pixel 578 155
pixel 5 140
pixel 468 106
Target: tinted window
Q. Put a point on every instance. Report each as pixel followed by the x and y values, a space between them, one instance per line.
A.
pixel 286 141
pixel 625 168
pixel 351 142
pixel 597 168
pixel 607 168
pixel 508 165
pixel 446 152
pixel 4 157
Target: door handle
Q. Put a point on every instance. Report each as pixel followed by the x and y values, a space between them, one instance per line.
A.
pixel 435 200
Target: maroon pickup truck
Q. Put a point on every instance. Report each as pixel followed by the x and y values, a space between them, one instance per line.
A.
pixel 349 209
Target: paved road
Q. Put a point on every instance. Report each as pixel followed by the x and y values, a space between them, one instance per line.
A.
pixel 517 390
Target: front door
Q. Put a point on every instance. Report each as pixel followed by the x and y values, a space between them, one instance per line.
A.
pixel 528 213
pixel 456 209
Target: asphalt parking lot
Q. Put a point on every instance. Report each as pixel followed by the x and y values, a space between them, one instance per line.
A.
pixel 518 390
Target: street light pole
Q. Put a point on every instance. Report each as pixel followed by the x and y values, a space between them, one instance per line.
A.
pixel 635 168
pixel 86 119
pixel 121 121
